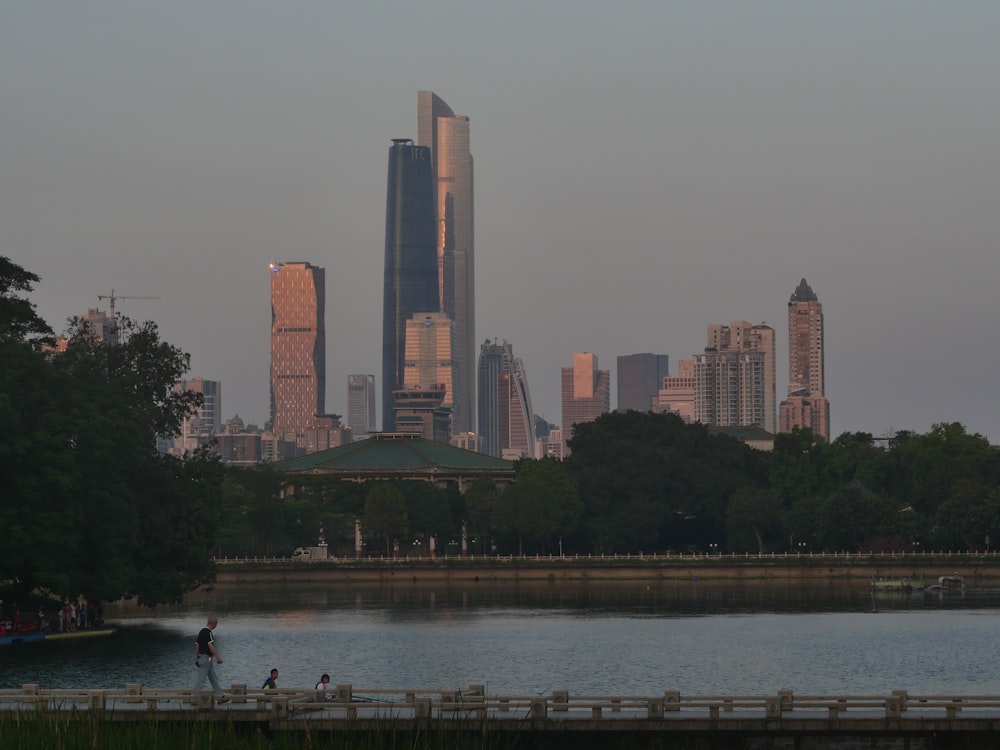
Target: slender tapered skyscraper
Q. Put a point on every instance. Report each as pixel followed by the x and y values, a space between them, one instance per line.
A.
pixel 447 136
pixel 411 269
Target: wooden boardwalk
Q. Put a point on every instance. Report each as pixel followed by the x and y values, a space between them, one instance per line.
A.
pixel 352 709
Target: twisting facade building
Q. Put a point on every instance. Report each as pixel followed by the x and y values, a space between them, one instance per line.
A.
pixel 298 348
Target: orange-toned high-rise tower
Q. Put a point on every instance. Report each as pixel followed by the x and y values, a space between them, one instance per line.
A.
pixel 447 136
pixel 806 405
pixel 298 348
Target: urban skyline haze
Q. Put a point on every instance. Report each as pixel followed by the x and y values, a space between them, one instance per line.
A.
pixel 643 170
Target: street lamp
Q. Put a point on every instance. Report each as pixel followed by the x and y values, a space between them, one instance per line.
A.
pixel 713 548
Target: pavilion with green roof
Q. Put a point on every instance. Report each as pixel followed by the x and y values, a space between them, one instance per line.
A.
pixel 393 455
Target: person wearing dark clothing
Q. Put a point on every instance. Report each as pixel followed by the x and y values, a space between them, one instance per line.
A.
pixel 271 682
pixel 206 657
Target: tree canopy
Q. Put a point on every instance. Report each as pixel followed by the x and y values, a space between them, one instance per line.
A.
pixel 89 506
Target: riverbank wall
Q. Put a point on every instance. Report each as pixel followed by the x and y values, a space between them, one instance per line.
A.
pixel 919 570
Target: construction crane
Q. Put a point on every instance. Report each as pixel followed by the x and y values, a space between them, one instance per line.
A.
pixel 114 297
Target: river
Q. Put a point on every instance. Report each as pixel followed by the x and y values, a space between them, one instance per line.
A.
pixel 701 638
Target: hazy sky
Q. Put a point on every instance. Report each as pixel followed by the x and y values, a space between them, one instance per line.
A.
pixel 643 169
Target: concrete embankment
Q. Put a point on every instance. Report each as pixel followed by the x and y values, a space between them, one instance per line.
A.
pixel 977 570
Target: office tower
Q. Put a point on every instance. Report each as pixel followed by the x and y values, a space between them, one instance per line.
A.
pixel 447 136
pixel 506 424
pixel 586 394
pixel 411 281
pixel 640 376
pixel 298 348
pixel 806 405
pixel 677 394
pixel 742 336
pixel 430 340
pixel 729 388
pixel 361 405
pixel 419 411
pixel 205 423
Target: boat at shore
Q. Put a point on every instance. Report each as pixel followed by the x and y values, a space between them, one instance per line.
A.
pixel 35 636
pixel 953 582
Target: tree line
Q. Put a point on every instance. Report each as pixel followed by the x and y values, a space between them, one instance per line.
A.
pixel 642 482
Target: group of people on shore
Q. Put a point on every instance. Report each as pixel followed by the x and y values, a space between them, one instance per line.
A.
pixel 73 615
pixel 206 656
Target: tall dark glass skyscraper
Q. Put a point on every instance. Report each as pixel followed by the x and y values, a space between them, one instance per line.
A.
pixel 411 267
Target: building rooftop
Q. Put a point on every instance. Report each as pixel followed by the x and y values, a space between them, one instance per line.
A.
pixel 388 452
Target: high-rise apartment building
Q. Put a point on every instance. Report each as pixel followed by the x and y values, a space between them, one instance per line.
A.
pixel 447 136
pixel 729 388
pixel 586 394
pixel 411 276
pixel 506 423
pixel 430 341
pixel 640 377
pixel 298 348
pixel 806 405
pixel 101 325
pixel 741 336
pixel 361 405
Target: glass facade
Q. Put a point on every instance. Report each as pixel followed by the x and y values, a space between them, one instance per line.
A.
pixel 298 347
pixel 411 268
pixel 505 419
pixel 448 137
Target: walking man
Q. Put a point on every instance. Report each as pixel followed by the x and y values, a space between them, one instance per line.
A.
pixel 206 657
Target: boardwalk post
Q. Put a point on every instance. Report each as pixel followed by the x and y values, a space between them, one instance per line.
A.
pixel 133 692
pixel 539 708
pixel 422 708
pixel 345 693
pixel 773 708
pixel 672 700
pixel 902 695
pixel 238 692
pixel 892 708
pixel 560 700
pixel 654 708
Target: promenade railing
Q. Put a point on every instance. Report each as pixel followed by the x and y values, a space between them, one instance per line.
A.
pixel 636 557
pixel 347 702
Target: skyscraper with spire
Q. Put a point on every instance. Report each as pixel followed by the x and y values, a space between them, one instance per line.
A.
pixel 411 277
pixel 806 405
pixel 447 136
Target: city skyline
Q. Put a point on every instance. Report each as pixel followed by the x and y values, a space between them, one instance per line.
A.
pixel 637 176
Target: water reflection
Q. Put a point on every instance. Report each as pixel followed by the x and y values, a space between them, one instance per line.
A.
pixel 697 637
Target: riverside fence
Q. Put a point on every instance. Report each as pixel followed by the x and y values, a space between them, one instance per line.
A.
pixel 347 708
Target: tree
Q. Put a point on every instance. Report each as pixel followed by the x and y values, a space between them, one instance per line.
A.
pixel 480 502
pixel 19 323
pixel 89 506
pixel 385 513
pixel 541 505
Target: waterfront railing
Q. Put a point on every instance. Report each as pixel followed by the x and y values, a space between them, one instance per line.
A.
pixel 927 556
pixel 345 702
